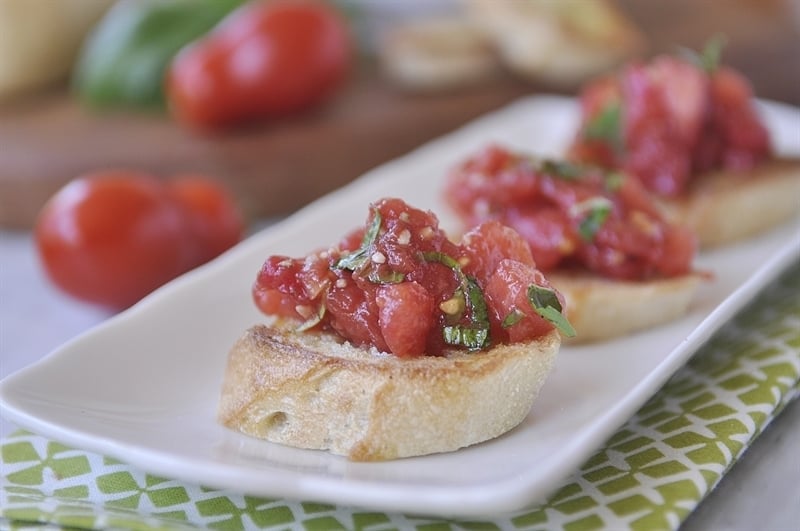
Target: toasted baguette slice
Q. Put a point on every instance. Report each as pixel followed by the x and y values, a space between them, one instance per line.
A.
pixel 601 309
pixel 724 207
pixel 437 54
pixel 559 42
pixel 312 390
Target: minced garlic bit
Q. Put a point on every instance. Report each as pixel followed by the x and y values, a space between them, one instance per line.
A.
pixel 615 257
pixel 566 246
pixel 404 238
pixel 426 233
pixel 463 261
pixel 285 263
pixel 404 216
pixel 378 257
pixel 481 208
pixel 644 223
pixel 453 305
pixel 341 282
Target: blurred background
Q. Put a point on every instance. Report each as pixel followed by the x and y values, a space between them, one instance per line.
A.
pixel 81 84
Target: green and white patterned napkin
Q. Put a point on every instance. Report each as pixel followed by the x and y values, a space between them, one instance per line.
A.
pixel 650 474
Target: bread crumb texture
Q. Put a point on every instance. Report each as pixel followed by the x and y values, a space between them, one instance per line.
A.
pixel 312 390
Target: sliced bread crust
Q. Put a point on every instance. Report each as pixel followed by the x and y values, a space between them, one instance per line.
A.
pixel 313 390
pixel 601 309
pixel 562 43
pixel 437 54
pixel 724 207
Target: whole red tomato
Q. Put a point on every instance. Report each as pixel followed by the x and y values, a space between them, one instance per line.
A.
pixel 214 220
pixel 267 58
pixel 112 237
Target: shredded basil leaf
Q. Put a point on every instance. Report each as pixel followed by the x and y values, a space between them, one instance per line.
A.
pixel 562 169
pixel 593 213
pixel 359 257
pixel 712 53
pixel 476 334
pixel 541 297
pixel 558 319
pixel 477 303
pixel 592 222
pixel 512 318
pixel 711 56
pixel 614 181
pixel 473 338
pixel 545 303
pixel 449 261
pixel 385 277
pixel 606 125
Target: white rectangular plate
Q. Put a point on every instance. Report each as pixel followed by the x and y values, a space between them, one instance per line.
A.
pixel 143 387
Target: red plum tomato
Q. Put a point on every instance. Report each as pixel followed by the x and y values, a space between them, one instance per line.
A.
pixel 111 237
pixel 213 218
pixel 266 59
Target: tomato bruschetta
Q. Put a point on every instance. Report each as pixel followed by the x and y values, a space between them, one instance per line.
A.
pixel 597 235
pixel 687 127
pixel 397 341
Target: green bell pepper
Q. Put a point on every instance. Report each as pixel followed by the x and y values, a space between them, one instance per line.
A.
pixel 124 60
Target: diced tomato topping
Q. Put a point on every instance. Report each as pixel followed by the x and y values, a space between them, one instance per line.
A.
pixel 507 295
pixel 674 121
pixel 746 139
pixel 400 285
pixel 578 217
pixel 488 244
pixel 352 312
pixel 406 317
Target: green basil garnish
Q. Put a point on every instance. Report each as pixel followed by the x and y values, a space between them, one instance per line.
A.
pixel 449 261
pixel 614 181
pixel 711 56
pixel 512 318
pixel 477 303
pixel 593 213
pixel 606 125
pixel 562 169
pixel 356 259
pixel 385 277
pixel 474 336
pixel 545 303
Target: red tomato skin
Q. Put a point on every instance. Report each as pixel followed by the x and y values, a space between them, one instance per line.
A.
pixel 635 242
pixel 111 238
pixel 406 317
pixel 406 314
pixel 507 291
pixel 678 121
pixel 213 217
pixel 267 59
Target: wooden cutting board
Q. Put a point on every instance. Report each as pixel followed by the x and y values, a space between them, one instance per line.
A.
pixel 272 170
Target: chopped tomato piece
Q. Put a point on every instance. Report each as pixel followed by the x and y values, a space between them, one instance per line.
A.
pixel 578 217
pixel 668 121
pixel 406 317
pixel 400 285
pixel 512 315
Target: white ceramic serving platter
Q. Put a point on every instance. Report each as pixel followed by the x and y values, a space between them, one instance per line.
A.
pixel 143 387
